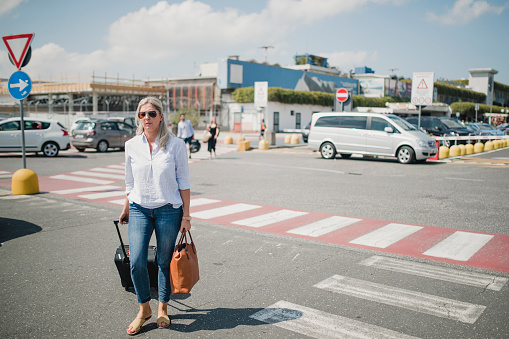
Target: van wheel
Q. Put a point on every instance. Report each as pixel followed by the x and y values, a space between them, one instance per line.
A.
pixel 328 151
pixel 345 155
pixel 406 155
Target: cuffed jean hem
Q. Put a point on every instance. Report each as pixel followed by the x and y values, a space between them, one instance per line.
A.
pixel 165 221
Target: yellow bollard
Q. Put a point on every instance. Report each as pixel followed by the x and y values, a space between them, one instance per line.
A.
pixel 454 151
pixel 288 138
pixel 295 139
pixel 463 149
pixel 478 147
pixel 443 152
pixel 228 140
pixel 496 144
pixel 239 140
pixel 488 146
pixel 244 146
pixel 25 181
pixel 263 144
pixel 469 149
pixel 505 142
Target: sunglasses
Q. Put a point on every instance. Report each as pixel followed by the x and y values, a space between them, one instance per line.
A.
pixel 151 114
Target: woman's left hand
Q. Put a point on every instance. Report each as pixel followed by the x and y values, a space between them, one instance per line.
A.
pixel 185 225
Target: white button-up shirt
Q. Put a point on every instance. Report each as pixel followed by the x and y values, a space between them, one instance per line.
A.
pixel 154 180
pixel 185 129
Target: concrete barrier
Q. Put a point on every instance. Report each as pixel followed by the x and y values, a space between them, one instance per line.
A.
pixel 263 144
pixel 443 152
pixel 244 146
pixel 469 149
pixel 295 140
pixel 463 150
pixel 454 151
pixel 228 140
pixel 496 144
pixel 478 147
pixel 239 140
pixel 288 138
pixel 25 181
pixel 505 142
pixel 488 146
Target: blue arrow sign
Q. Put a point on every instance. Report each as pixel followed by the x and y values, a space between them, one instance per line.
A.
pixel 19 85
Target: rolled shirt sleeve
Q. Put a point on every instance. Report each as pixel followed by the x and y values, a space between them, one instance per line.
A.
pixel 182 166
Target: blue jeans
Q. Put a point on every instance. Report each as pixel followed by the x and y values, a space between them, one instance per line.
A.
pixel 166 222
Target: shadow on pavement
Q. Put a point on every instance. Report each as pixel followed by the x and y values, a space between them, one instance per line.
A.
pixel 13 228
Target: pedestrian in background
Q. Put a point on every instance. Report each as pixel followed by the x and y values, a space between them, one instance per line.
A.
pixel 263 127
pixel 185 132
pixel 213 129
pixel 158 197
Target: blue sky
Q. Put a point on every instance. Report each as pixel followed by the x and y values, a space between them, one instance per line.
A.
pixel 159 39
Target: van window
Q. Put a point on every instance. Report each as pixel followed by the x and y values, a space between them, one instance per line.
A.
pixel 353 122
pixel 379 124
pixel 331 121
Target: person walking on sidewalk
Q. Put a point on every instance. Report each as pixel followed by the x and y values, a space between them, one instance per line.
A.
pixel 213 129
pixel 185 131
pixel 158 197
pixel 263 127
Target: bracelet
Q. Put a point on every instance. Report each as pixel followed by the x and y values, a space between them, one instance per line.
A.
pixel 187 218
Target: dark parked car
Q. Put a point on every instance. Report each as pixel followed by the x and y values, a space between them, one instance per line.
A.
pixel 504 128
pixel 443 126
pixel 305 134
pixel 101 135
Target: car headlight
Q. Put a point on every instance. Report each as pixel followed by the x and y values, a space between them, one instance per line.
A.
pixel 453 133
pixel 422 143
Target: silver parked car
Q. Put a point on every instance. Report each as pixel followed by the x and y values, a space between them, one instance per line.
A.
pixel 46 136
pixel 101 135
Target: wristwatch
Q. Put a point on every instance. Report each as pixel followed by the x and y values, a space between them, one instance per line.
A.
pixel 187 218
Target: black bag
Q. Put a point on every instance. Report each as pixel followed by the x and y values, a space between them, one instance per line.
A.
pixel 194 146
pixel 124 267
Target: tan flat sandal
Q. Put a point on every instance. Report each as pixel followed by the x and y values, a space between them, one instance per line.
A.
pixel 136 325
pixel 164 319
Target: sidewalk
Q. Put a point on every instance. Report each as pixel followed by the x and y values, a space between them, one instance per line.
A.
pixel 253 139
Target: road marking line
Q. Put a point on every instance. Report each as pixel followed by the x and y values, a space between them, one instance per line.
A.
pixel 5 176
pixel 318 324
pixel 5 172
pixel 81 179
pixel 324 226
pixel 269 218
pixel 101 175
pixel 459 246
pixel 225 210
pixel 448 274
pixel 86 189
pixel 118 202
pixel 386 235
pixel 202 201
pixel 103 195
pixel 108 170
pixel 411 300
pixel 117 166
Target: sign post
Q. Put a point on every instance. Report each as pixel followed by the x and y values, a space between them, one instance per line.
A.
pixel 422 90
pixel 19 84
pixel 476 109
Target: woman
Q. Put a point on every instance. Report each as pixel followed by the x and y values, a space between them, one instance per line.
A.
pixel 213 129
pixel 158 196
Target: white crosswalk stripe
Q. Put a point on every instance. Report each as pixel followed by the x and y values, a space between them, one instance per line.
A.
pixel 411 300
pixel 202 201
pixel 223 211
pixel 387 235
pixel 5 175
pixel 324 226
pixel 459 246
pixel 448 274
pixel 100 175
pixel 101 195
pixel 108 170
pixel 269 218
pixel 318 324
pixel 86 189
pixel 122 166
pixel 118 202
pixel 81 179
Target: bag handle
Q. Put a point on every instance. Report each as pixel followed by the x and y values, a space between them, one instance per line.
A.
pixel 126 258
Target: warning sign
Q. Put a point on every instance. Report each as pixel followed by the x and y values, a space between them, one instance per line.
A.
pixel 422 88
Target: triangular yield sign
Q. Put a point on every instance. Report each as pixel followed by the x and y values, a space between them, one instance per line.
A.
pixel 17 45
pixel 422 85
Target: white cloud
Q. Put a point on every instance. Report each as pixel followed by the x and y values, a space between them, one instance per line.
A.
pixel 165 36
pixel 465 11
pixel 8 5
pixel 347 60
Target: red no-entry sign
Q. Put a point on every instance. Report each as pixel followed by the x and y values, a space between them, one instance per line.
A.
pixel 342 95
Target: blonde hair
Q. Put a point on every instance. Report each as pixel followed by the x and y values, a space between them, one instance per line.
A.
pixel 163 134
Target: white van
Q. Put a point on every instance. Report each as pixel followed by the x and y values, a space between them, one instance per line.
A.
pixel 370 134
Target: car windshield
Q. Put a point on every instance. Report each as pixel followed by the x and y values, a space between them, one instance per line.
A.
pixel 403 124
pixel 486 127
pixel 451 123
pixel 87 126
